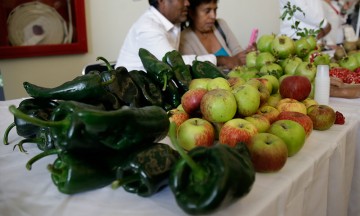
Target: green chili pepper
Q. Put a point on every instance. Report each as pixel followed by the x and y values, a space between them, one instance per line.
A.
pixel 159 71
pixel 66 128
pixel 41 109
pixel 205 69
pixel 77 172
pixel 209 178
pixel 43 140
pixel 147 170
pixel 122 86
pixel 127 127
pixel 181 70
pixel 151 92
pixel 172 96
pixel 88 88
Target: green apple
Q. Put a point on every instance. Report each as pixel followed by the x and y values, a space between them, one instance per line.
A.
pixel 247 99
pixel 261 87
pixel 274 99
pixel 274 82
pixel 195 132
pixel 268 152
pixel 267 84
pixel 309 101
pixel 236 81
pixel 291 132
pixel 218 105
pixel 260 121
pixel 218 82
pixel 199 83
pixel 237 130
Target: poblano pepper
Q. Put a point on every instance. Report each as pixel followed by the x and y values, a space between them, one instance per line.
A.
pixel 127 127
pixel 172 96
pixel 147 170
pixel 88 88
pixel 66 128
pixel 205 69
pixel 43 140
pixel 77 172
pixel 150 90
pixel 159 71
pixel 41 109
pixel 122 85
pixel 210 178
pixel 182 74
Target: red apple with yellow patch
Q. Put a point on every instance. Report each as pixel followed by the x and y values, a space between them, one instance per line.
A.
pixel 236 130
pixel 289 104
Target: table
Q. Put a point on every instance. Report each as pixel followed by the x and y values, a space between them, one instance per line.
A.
pixel 322 179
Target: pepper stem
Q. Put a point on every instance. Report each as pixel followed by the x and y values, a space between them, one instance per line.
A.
pixel 119 182
pixel 53 170
pixel 107 63
pixel 21 143
pixel 165 82
pixel 199 172
pixel 39 122
pixel 6 134
pixel 41 155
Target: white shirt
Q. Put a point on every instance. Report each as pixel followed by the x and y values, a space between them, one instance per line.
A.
pixel 158 35
pixel 314 14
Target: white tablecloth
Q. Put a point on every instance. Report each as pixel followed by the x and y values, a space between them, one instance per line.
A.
pixel 322 179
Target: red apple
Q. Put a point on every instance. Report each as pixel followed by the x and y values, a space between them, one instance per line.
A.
pixel 300 118
pixel 296 87
pixel 195 132
pixel 268 152
pixel 218 105
pixel 236 130
pixel 190 101
pixel 291 132
pixel 322 116
pixel 178 116
pixel 269 112
pixel 289 104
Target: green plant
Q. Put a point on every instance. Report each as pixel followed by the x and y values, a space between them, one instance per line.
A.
pixel 289 12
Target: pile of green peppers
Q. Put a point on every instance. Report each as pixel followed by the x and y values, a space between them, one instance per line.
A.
pixel 120 117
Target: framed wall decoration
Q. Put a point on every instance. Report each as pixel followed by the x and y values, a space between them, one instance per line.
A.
pixel 42 28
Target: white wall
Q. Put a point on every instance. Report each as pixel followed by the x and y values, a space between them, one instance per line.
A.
pixel 107 24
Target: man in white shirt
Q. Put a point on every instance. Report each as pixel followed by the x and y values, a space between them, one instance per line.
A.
pixel 157 30
pixel 314 15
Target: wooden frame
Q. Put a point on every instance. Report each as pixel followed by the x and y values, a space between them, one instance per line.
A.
pixel 77 45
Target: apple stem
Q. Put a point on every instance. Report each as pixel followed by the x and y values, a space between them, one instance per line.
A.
pixel 199 172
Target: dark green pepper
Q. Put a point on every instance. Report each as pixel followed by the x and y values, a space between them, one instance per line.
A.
pixel 172 96
pixel 88 88
pixel 122 86
pixel 205 69
pixel 150 90
pixel 41 109
pixel 127 127
pixel 159 71
pixel 181 70
pixel 147 170
pixel 77 172
pixel 66 128
pixel 210 178
pixel 43 140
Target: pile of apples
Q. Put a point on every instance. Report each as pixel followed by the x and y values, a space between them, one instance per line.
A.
pixel 272 117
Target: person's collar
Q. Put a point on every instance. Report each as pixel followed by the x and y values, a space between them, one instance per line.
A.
pixel 168 25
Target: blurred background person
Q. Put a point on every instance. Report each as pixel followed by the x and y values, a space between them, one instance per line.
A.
pixel 205 34
pixel 157 30
pixel 335 13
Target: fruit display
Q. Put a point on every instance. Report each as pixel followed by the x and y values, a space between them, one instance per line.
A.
pixel 223 128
